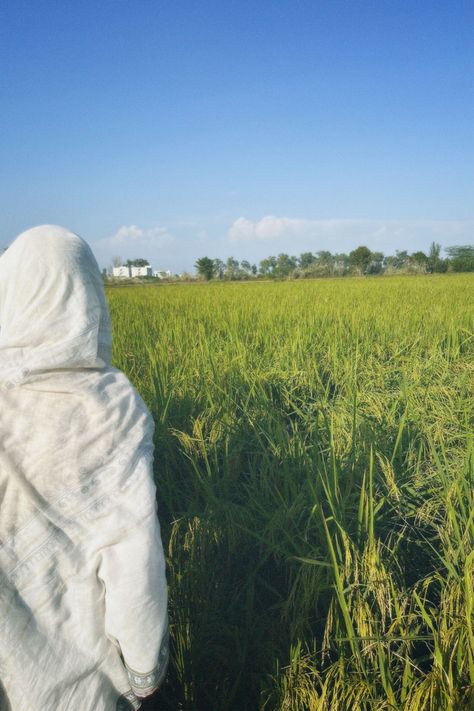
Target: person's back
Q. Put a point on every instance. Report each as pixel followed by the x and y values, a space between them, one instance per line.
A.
pixel 83 621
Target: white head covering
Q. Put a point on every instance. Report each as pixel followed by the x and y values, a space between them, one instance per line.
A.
pixel 82 578
pixel 53 312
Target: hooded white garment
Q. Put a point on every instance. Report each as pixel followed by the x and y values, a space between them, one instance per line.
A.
pixel 83 594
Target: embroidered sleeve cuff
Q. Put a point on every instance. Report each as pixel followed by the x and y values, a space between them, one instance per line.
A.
pixel 146 684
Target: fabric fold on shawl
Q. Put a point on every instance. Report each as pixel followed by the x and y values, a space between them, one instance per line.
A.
pixel 83 595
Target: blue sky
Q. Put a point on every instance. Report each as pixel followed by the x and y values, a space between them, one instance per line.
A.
pixel 177 129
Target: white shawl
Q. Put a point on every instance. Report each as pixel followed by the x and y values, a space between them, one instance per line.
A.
pixel 83 595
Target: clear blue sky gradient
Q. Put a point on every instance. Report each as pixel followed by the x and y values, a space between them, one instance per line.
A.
pixel 353 121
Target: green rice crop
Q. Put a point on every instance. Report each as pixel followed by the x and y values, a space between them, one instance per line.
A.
pixel 315 469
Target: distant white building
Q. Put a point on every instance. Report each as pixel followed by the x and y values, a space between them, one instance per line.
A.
pixel 122 271
pixel 141 271
pixel 162 274
pixel 126 272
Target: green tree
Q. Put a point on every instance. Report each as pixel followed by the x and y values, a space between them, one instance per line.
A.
pixel 419 258
pixel 264 267
pixel 205 267
pixel 360 259
pixel 232 269
pixel 246 266
pixel 441 266
pixel 268 266
pixel 376 263
pixel 399 260
pixel 341 263
pixel 435 263
pixel 285 265
pixel 324 257
pixel 434 258
pixel 219 268
pixel 461 258
pixel 418 261
pixel 137 263
pixel 322 265
pixel 306 259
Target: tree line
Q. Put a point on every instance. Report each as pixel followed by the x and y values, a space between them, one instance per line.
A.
pixel 361 261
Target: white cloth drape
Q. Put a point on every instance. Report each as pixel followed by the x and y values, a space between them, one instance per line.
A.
pixel 83 595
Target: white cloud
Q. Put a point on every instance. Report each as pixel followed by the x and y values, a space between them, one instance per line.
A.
pixel 132 236
pixel 290 234
pixel 269 227
pixel 133 242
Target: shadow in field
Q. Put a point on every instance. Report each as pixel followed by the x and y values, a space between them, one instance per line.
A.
pixel 241 510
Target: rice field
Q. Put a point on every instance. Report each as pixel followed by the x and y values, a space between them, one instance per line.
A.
pixel 315 469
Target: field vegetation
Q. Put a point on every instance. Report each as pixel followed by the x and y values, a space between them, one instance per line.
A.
pixel 315 469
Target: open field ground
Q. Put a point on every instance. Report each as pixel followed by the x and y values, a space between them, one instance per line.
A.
pixel 315 470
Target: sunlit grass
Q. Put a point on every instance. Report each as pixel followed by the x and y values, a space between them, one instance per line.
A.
pixel 314 462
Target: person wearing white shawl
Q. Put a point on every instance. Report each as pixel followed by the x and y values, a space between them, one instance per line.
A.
pixel 83 592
